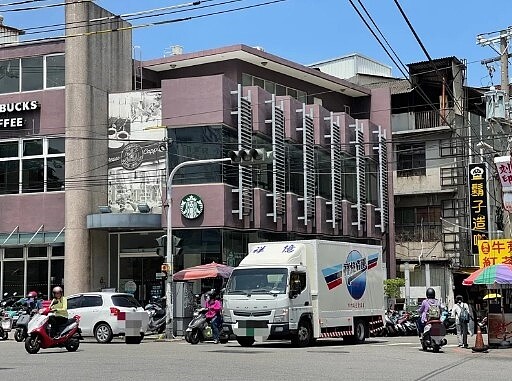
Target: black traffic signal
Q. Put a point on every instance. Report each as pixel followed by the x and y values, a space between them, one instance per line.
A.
pixel 161 250
pixel 253 156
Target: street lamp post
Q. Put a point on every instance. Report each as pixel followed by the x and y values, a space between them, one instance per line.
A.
pixel 169 311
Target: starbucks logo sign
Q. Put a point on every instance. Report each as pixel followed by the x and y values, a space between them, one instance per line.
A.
pixel 132 156
pixel 191 206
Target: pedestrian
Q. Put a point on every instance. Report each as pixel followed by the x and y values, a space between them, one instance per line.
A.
pixel 214 315
pixel 461 313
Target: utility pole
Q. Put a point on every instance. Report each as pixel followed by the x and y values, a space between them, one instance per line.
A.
pixel 502 38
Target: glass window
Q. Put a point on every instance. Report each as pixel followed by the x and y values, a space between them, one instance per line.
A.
pixel 9 177
pixel 13 277
pixel 411 160
pixel 259 82
pixel 302 96
pixel 270 87
pixel 280 90
pixel 31 73
pixel 246 80
pixel 32 147
pixel 124 301
pixel 13 252
pixel 37 276
pixel 57 251
pixel 33 176
pixel 9 149
pixel 10 76
pixel 74 303
pixel 91 301
pixel 55 71
pixel 292 92
pixel 37 252
pixel 57 273
pixel 55 173
pixel 56 146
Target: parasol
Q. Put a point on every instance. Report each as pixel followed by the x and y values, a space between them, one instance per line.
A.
pixel 211 270
pixel 491 275
pixel 491 296
pixel 495 275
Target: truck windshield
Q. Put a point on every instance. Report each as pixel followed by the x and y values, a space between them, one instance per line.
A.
pixel 253 281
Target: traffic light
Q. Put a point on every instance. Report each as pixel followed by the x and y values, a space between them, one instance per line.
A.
pixel 176 245
pixel 161 250
pixel 253 156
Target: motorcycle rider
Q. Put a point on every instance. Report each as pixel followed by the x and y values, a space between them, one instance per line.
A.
pixel 214 315
pixel 59 307
pixel 425 306
pixel 33 301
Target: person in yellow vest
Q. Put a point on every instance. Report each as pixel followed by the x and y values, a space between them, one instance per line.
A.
pixel 59 307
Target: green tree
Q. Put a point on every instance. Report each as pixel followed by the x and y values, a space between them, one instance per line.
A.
pixel 392 287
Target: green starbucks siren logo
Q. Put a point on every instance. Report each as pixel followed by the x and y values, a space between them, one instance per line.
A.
pixel 191 206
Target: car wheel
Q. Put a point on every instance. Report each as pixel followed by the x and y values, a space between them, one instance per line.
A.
pixel 103 333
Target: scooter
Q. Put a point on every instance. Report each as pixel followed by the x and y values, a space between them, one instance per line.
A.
pixel 39 336
pixel 433 336
pixel 199 329
pixel 22 324
pixel 156 312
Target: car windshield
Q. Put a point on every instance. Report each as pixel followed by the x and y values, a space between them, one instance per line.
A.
pixel 254 281
pixel 125 301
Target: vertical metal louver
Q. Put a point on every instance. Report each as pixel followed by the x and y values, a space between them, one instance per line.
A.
pixel 278 161
pixel 244 190
pixel 336 169
pixel 360 176
pixel 383 181
pixel 308 150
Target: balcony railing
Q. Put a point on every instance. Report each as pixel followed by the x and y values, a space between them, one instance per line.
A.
pixel 432 118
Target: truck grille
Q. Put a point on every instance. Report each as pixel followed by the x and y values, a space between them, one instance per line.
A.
pixel 255 314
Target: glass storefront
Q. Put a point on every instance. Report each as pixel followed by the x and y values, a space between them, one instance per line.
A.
pixel 31 268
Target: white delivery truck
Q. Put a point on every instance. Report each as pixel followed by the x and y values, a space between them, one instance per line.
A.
pixel 305 290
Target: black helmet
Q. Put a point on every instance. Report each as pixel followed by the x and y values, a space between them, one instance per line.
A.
pixel 431 293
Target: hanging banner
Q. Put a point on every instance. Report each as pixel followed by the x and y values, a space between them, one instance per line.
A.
pixel 494 252
pixel 504 168
pixel 136 152
pixel 478 204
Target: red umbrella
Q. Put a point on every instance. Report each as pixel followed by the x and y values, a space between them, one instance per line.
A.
pixel 212 270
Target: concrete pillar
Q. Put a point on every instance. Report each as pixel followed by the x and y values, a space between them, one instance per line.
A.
pixel 95 65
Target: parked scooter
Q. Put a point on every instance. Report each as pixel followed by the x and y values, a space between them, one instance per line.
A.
pixel 8 315
pixel 433 336
pixel 448 321
pixel 156 312
pixel 39 336
pixel 22 324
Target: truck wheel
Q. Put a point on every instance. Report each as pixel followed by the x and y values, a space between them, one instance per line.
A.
pixel 303 336
pixel 245 341
pixel 359 334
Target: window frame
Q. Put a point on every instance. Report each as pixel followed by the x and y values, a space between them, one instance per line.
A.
pixel 413 151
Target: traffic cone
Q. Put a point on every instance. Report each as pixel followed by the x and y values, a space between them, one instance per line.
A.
pixel 479 342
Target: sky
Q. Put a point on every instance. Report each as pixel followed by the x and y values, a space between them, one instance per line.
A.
pixel 308 31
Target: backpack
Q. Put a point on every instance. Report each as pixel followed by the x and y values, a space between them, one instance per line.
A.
pixel 464 314
pixel 434 312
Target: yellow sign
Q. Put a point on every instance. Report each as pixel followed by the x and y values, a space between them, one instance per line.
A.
pixel 494 252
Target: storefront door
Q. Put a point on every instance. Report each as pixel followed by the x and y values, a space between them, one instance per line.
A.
pixel 138 275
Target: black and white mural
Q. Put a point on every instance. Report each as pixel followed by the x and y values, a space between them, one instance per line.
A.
pixel 136 150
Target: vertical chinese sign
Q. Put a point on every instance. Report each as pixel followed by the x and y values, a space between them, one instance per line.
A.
pixel 504 168
pixel 478 204
pixel 495 252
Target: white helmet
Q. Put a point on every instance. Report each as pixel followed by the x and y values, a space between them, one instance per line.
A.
pixel 57 289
